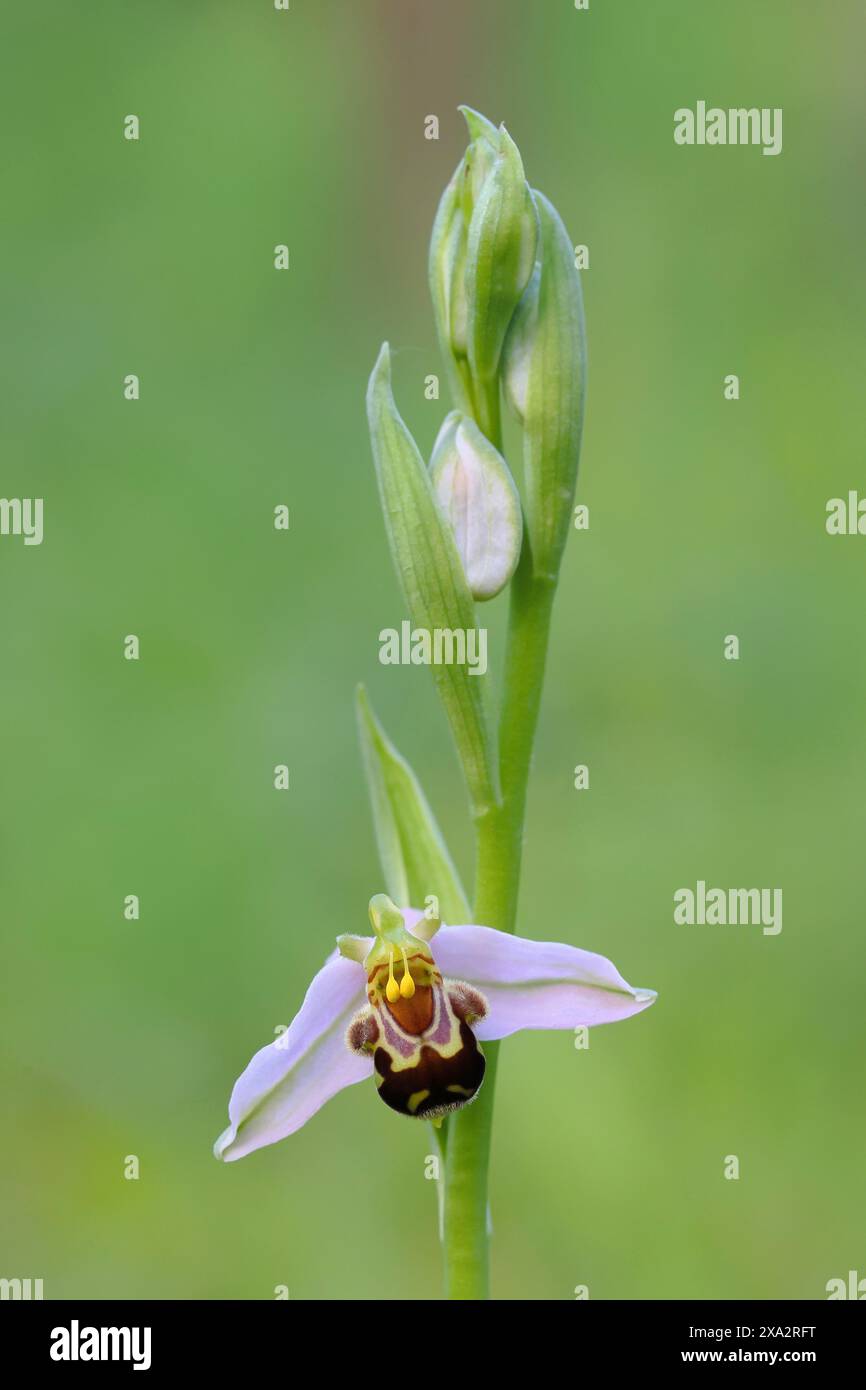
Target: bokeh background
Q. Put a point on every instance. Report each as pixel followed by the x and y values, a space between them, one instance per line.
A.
pixel 156 777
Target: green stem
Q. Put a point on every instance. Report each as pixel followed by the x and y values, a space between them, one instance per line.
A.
pixel 499 846
pixel 440 1139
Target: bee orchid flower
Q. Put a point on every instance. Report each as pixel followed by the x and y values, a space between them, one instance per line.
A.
pixel 409 1006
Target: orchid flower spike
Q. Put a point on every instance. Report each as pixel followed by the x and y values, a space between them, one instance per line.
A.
pixel 384 1006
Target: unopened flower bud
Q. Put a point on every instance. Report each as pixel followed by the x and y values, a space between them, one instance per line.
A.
pixel 448 287
pixel 481 256
pixel 517 354
pixel 500 255
pixel 478 160
pixel 478 496
pixel 544 380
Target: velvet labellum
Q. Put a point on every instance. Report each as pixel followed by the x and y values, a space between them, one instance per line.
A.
pixel 417 1027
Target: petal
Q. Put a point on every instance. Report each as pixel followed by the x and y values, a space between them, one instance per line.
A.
pixel 290 1079
pixel 535 984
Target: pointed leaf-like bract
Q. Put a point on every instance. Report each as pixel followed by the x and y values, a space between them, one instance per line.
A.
pixel 412 850
pixel 434 585
pixel 544 375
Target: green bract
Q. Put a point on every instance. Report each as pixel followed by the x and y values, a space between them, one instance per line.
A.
pixel 544 375
pixel 412 851
pixel 434 585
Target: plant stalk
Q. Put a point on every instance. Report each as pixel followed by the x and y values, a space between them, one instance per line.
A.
pixel 499 844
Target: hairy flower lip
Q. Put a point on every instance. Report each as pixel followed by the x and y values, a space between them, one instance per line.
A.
pixel 528 985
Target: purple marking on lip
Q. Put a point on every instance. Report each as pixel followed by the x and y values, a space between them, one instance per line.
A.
pixel 441 1030
pixel 394 1038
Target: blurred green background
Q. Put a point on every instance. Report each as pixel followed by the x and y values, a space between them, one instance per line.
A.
pixel 156 777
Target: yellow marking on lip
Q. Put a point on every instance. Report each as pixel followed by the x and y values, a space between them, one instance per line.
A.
pixel 460 1090
pixel 415 1100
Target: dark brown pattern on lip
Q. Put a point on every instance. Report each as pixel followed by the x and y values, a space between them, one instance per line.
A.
pixel 449 1081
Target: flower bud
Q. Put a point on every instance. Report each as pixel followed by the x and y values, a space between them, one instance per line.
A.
pixel 478 161
pixel 481 255
pixel 500 254
pixel 478 496
pixel 448 287
pixel 544 380
pixel 517 354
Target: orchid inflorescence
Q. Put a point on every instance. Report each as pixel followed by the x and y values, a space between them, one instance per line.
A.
pixel 410 1004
